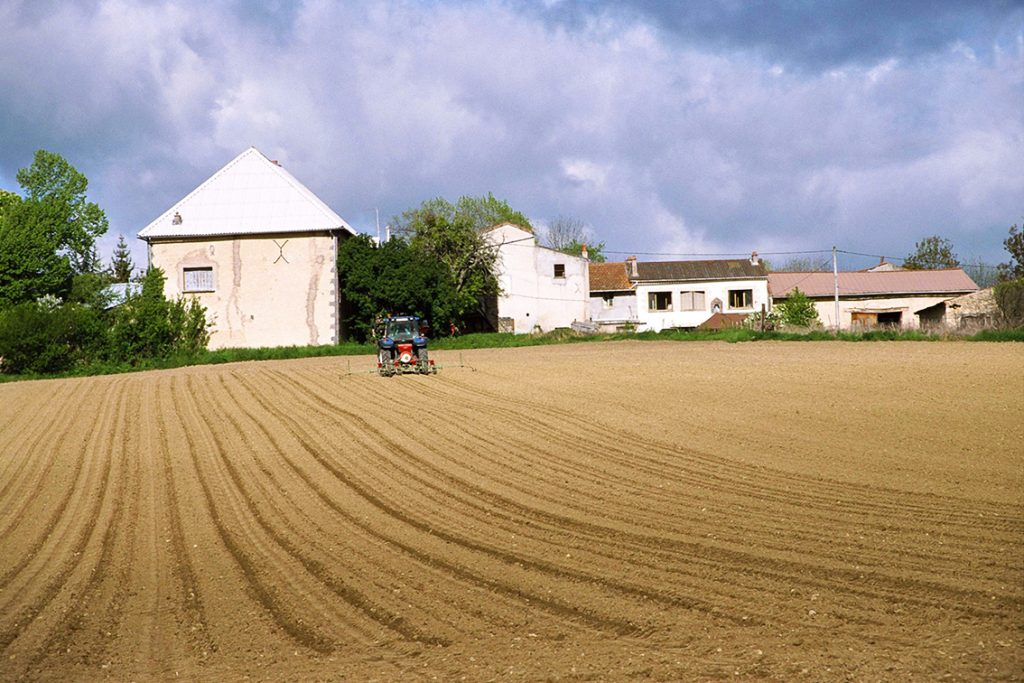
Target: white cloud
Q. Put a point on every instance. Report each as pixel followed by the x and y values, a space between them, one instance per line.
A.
pixel 659 144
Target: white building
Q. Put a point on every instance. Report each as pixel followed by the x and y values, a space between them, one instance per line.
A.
pixel 907 299
pixel 541 289
pixel 684 294
pixel 258 250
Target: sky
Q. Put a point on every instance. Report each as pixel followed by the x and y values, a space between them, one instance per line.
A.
pixel 672 129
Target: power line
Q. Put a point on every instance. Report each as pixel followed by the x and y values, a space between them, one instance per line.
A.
pixel 736 253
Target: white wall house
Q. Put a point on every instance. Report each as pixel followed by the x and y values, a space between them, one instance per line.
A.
pixel 907 299
pixel 684 294
pixel 541 289
pixel 259 250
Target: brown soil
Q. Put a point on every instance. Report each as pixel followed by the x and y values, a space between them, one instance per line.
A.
pixel 591 512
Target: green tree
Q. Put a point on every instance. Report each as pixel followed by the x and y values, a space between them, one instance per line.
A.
pixel 797 310
pixel 451 235
pixel 121 266
pixel 1014 244
pixel 932 253
pixel 392 278
pixel 595 252
pixel 1009 296
pixel 568 235
pixel 31 266
pixel 478 213
pixel 48 235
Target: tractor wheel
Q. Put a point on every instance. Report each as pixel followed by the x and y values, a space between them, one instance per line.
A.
pixel 423 364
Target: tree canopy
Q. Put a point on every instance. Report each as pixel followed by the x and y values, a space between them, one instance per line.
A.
pixel 1014 245
pixel 932 253
pixel 476 213
pixel 451 234
pixel 568 235
pixel 48 235
pixel 121 265
pixel 391 279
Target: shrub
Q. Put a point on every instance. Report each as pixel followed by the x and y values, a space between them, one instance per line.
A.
pixel 42 338
pixel 148 326
pixel 1010 299
pixel 798 310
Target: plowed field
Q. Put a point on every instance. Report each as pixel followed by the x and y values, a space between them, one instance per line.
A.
pixel 590 512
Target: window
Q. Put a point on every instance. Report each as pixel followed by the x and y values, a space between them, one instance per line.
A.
pixel 741 298
pixel 691 301
pixel 659 301
pixel 199 279
pixel 609 300
pixel 559 270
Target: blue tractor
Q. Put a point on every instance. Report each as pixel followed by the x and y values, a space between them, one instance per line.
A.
pixel 402 347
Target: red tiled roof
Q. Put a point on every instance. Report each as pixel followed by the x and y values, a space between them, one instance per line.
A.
pixel 887 283
pixel 609 277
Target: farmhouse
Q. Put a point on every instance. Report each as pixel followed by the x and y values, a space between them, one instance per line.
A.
pixel 541 288
pixel 258 250
pixel 684 294
pixel 908 299
pixel 659 295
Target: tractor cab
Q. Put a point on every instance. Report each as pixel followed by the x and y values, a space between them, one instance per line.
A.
pixel 402 346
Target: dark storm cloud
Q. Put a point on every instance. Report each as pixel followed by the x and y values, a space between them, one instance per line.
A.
pixel 815 35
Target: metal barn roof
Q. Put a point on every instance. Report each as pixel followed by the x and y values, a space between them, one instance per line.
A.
pixel 251 195
pixel 951 281
pixel 718 269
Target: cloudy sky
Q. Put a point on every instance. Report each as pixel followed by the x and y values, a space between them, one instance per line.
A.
pixel 671 128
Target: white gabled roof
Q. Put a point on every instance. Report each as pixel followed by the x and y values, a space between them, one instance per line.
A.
pixel 251 195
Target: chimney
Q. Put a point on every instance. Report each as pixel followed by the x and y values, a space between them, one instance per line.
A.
pixel 754 260
pixel 583 251
pixel 631 269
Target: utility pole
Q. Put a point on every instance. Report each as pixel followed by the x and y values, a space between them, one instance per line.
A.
pixel 377 212
pixel 835 278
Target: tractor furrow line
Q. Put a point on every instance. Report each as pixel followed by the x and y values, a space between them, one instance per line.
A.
pixel 44 483
pixel 24 433
pixel 822 574
pixel 183 564
pixel 267 595
pixel 361 524
pixel 531 413
pixel 317 568
pixel 101 441
pixel 73 634
pixel 44 440
pixel 564 610
pixel 630 465
pixel 511 559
